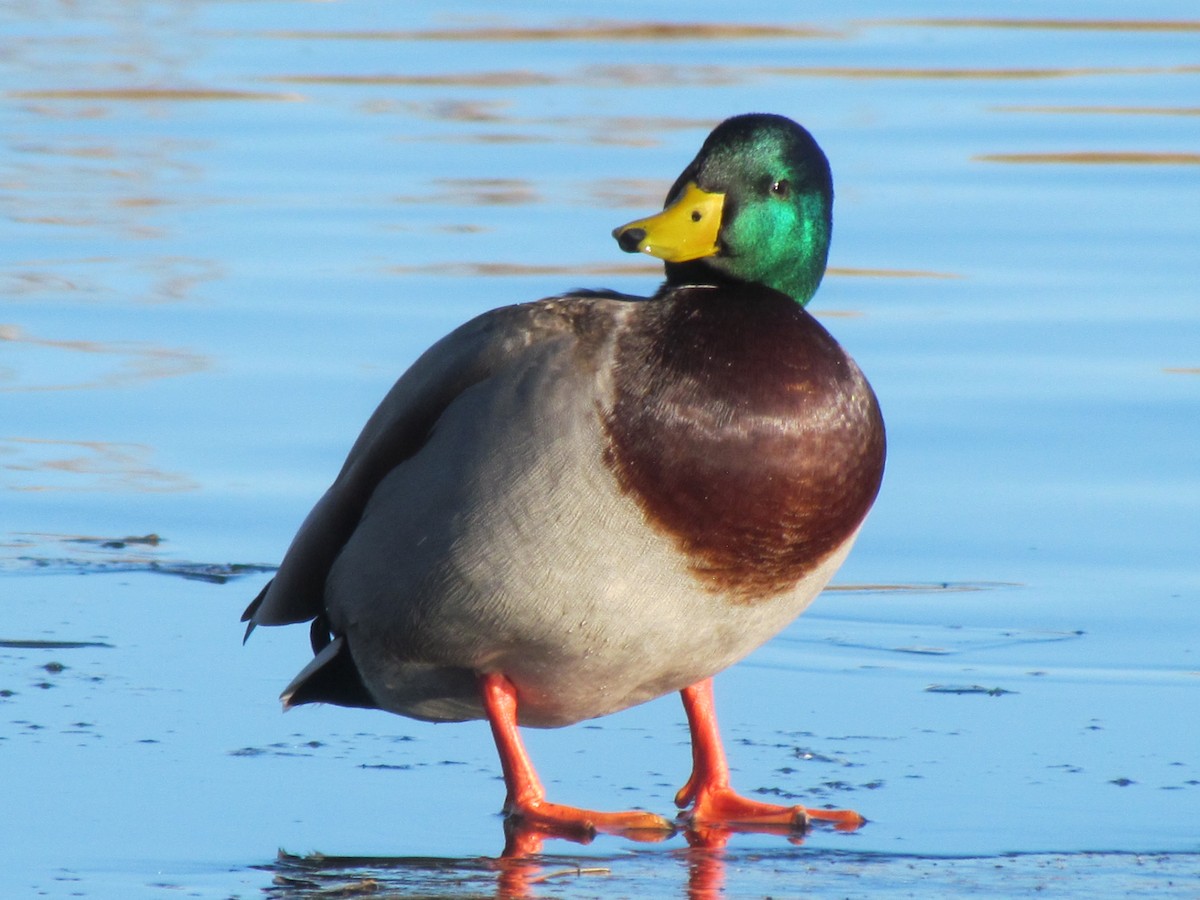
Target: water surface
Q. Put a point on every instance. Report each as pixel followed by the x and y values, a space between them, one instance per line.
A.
pixel 227 228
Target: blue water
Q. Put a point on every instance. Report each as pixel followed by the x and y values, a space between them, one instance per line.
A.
pixel 227 228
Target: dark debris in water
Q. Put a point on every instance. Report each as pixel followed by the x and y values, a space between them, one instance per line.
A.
pixel 1068 768
pixel 398 767
pixel 734 872
pixel 214 573
pixel 50 645
pixel 967 689
pixel 217 573
pixel 808 755
pixel 951 640
pixel 56 554
pixel 316 876
pixel 249 751
pixel 148 540
pixel 932 587
pixel 282 748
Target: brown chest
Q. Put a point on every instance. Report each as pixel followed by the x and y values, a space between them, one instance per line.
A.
pixel 746 434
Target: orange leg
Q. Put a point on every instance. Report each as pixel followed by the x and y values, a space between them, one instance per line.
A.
pixel 526 803
pixel 708 792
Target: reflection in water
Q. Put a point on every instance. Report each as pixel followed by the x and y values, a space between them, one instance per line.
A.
pixel 31 464
pixel 1103 110
pixel 174 277
pixel 58 554
pixel 147 94
pixel 619 130
pixel 125 362
pixel 1124 25
pixel 520 864
pixel 648 269
pixel 858 272
pixel 594 31
pixel 615 30
pixel 512 78
pixel 660 76
pixel 522 870
pixel 512 270
pixel 614 193
pixel 477 192
pixel 973 74
pixel 89 184
pixel 154 279
pixel 1096 158
pixel 627 193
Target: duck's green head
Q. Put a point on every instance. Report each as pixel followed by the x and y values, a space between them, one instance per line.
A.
pixel 755 205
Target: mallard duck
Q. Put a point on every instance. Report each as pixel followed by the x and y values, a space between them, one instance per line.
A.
pixel 574 505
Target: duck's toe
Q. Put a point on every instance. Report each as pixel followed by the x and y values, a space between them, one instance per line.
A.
pixel 724 806
pixel 582 825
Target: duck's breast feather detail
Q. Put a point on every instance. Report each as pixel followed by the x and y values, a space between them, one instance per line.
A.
pixel 747 434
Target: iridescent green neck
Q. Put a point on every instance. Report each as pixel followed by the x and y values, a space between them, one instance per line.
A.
pixel 784 247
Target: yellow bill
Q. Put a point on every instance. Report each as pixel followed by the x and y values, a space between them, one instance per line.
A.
pixel 685 230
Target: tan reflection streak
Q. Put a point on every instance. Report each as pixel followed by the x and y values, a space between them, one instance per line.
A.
pixel 619 131
pixel 172 278
pixel 509 270
pixel 177 277
pixel 86 152
pixel 477 192
pixel 517 78
pixel 491 191
pixel 142 362
pixel 972 74
pixel 18 284
pixel 1096 158
pixel 843 272
pixel 463 111
pixel 622 75
pixel 608 31
pixel 636 131
pixel 1104 110
pixel 657 75
pixel 69 221
pixel 141 202
pixel 1182 370
pixel 152 94
pixel 1054 24
pixel 629 193
pixel 626 130
pixel 108 466
pixel 663 75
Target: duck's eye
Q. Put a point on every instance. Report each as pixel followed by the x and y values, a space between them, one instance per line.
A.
pixel 781 188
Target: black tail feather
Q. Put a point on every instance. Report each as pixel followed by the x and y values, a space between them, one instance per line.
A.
pixel 248 615
pixel 332 677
